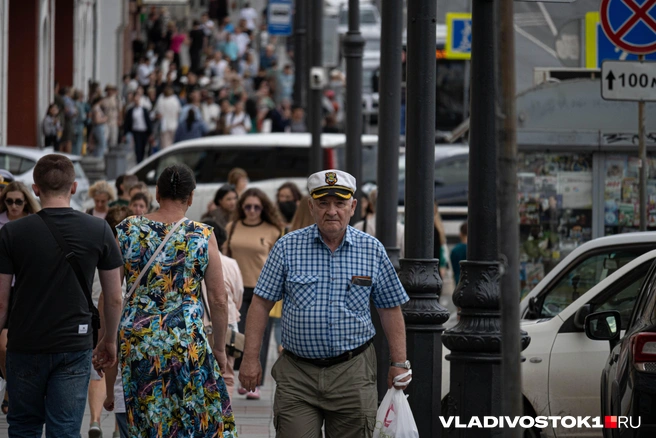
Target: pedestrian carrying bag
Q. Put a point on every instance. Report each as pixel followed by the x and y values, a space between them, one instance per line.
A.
pixel 151 260
pixel 79 274
pixel 394 417
pixel 234 340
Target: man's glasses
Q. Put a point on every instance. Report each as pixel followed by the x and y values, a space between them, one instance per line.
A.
pixel 18 202
pixel 252 207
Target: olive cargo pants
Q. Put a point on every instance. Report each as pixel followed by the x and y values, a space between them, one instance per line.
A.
pixel 342 395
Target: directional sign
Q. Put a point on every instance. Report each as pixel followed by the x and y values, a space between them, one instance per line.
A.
pixel 279 20
pixel 628 80
pixel 599 48
pixel 458 36
pixel 630 24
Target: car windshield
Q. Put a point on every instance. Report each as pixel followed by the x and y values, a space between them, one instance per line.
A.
pixel 582 276
pixel 212 164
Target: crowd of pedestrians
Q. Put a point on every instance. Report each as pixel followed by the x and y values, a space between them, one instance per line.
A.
pixel 168 289
pixel 228 73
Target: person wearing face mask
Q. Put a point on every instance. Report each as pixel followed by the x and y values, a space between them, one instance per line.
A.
pixel 221 209
pixel 288 198
pixel 16 202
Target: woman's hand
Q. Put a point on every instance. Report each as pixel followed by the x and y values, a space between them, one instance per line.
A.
pixel 109 402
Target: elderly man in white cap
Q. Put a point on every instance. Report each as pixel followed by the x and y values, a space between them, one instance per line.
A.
pixel 326 274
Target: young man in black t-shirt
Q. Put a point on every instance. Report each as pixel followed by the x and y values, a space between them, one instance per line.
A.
pixel 50 337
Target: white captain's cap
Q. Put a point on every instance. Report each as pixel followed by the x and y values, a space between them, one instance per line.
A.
pixel 331 182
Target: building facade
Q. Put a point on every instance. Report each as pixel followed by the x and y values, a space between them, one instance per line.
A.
pixel 43 42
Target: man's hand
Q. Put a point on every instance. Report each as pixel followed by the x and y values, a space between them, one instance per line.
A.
pixel 250 373
pixel 109 402
pixel 221 359
pixel 396 371
pixel 104 356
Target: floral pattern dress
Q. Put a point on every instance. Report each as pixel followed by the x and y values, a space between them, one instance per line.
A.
pixel 173 385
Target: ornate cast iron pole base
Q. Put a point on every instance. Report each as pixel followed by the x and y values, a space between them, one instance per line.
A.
pixel 424 318
pixel 475 344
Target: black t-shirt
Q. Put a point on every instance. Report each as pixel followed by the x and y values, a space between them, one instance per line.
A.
pixel 50 313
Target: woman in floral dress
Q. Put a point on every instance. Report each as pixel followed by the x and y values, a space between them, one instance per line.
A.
pixel 172 380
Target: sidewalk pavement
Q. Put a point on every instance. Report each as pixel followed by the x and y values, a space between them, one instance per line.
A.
pixel 254 418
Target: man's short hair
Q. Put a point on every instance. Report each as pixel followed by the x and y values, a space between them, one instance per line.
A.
pixel 463 229
pixel 54 174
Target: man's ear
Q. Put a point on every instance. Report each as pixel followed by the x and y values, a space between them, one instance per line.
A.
pixel 36 190
pixel 74 187
pixel 353 206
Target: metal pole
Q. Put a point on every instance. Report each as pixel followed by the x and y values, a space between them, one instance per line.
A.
pixel 419 270
pixel 314 102
pixel 301 71
pixel 475 342
pixel 353 48
pixel 513 339
pixel 642 152
pixel 389 129
pixel 388 157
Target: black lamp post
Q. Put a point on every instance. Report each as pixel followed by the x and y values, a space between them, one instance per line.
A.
pixel 353 48
pixel 475 342
pixel 301 73
pixel 419 270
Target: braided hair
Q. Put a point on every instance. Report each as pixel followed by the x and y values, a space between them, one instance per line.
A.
pixel 176 183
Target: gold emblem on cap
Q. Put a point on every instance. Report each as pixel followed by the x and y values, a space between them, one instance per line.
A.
pixel 331 178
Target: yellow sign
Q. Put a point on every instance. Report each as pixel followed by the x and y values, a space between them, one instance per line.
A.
pixel 591 25
pixel 458 35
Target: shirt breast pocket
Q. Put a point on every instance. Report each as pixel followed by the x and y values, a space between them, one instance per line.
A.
pixel 357 299
pixel 303 290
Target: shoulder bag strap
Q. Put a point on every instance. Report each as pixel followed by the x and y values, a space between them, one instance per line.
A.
pixel 72 260
pixel 152 259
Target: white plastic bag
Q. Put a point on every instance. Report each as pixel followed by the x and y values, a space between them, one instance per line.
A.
pixel 394 417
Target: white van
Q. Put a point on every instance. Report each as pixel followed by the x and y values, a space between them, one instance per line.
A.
pixel 269 159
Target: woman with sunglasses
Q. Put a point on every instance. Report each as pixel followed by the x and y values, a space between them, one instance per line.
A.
pixel 256 226
pixel 16 202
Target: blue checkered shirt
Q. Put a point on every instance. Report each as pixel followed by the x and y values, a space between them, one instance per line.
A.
pixel 324 314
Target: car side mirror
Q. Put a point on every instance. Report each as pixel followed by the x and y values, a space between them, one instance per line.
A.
pixel 580 315
pixel 603 326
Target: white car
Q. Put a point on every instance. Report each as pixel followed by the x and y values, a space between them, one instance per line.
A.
pixel 269 159
pixel 562 369
pixel 20 161
pixel 370 20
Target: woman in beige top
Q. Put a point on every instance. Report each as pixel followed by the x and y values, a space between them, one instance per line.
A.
pixel 251 235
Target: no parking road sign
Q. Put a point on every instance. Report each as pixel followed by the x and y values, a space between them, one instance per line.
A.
pixel 630 24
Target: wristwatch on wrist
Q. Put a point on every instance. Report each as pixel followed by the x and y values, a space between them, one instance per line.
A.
pixel 405 365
